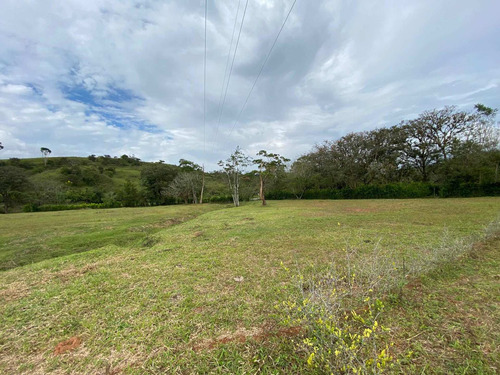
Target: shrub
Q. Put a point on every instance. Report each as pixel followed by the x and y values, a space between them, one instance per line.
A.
pixel 65 207
pixel 341 308
pixel 341 315
pixel 388 191
pixel 31 207
pixel 220 199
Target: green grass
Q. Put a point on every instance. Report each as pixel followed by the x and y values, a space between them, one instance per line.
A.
pixel 33 237
pixel 132 173
pixel 165 300
pixel 448 320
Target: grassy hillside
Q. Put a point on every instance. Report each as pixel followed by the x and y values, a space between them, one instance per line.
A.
pixel 33 237
pixel 200 296
pixel 123 170
pixel 103 182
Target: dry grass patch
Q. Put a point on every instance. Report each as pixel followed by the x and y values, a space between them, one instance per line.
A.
pixel 243 335
pixel 15 290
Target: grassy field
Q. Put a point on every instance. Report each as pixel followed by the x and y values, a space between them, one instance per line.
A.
pixel 32 237
pixel 190 289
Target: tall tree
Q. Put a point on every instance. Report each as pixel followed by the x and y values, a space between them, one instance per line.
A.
pixel 233 167
pixel 189 166
pixel 185 186
pixel 45 153
pixel 155 178
pixel 446 126
pixel 269 164
pixel 486 131
pixel 420 151
pixel 300 176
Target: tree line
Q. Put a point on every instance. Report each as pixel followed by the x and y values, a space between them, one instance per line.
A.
pixel 442 147
pixel 444 152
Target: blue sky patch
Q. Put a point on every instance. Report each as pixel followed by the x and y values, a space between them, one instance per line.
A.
pixel 113 107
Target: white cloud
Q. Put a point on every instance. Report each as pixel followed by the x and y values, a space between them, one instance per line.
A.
pixel 338 67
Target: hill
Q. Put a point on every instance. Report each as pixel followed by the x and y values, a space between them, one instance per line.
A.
pixel 57 183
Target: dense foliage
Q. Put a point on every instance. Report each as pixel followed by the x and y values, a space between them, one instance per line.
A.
pixel 443 152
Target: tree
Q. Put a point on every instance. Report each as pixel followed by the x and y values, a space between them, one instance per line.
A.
pixel 269 164
pixel 484 131
pixel 383 149
pixel 185 186
pixel 475 156
pixel 420 151
pixel 155 178
pixel 129 195
pixel 300 176
pixel 45 153
pixel 188 166
pixel 13 181
pixel 233 166
pixel 447 126
pixel 487 111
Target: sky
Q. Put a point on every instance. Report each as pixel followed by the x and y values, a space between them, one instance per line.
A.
pixel 127 76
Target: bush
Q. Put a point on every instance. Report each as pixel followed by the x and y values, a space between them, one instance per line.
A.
pixel 342 318
pixel 84 196
pixel 31 207
pixel 469 189
pixel 280 195
pixel 220 199
pixel 65 207
pixel 341 306
pixel 388 191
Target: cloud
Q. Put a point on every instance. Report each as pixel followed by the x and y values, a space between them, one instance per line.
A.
pixel 126 77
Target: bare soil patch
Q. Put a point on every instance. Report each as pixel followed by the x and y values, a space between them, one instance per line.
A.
pixel 68 345
pixel 242 335
pixel 72 272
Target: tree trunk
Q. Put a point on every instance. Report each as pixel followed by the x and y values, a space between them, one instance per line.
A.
pixel 195 200
pixel 261 192
pixel 202 185
pixel 236 191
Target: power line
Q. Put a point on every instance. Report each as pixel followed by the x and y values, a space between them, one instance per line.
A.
pixel 204 104
pixel 231 70
pixel 205 85
pixel 228 59
pixel 262 68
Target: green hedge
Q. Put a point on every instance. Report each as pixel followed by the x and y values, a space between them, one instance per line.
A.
pixel 467 189
pixel 389 191
pixel 397 191
pixel 64 207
